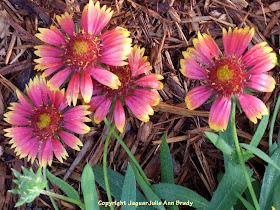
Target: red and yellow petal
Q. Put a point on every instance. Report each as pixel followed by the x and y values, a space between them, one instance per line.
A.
pixel 256 54
pixel 66 23
pixel 268 63
pixel 116 46
pixel 119 115
pixel 236 41
pixel 150 81
pixel 76 126
pixel 138 62
pixel 59 150
pixel 253 107
pixel 45 155
pixel 138 108
pixel 96 101
pixel 71 140
pixel 73 89
pixel 59 78
pixel 262 82
pixel 16 119
pixel 86 86
pixel 102 110
pixel 190 68
pixel 206 47
pixel 47 51
pixel 94 18
pixel 148 96
pixel 51 36
pixel 219 113
pixel 105 77
pixel 198 96
pixel 47 62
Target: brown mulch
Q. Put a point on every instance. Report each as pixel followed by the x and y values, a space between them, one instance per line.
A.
pixel 165 29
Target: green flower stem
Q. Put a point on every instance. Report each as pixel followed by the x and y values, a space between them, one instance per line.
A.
pixel 105 166
pixel 130 155
pixel 62 197
pixel 48 188
pixel 240 157
pixel 272 125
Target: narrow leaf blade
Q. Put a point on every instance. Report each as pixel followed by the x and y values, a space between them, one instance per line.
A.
pixel 179 195
pixel 166 162
pixel 219 143
pixel 89 189
pixel 129 189
pixel 64 186
pixel 260 131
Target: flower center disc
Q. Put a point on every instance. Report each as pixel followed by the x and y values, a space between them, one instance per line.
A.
pixel 82 50
pixel 124 75
pixel 227 76
pixel 45 122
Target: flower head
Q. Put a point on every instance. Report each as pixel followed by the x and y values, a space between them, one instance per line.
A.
pixel 29 184
pixel 135 91
pixel 75 55
pixel 41 123
pixel 229 75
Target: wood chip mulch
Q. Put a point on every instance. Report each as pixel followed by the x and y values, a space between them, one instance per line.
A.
pixel 165 29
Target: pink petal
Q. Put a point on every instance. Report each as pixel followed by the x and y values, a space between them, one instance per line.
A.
pixel 198 96
pixel 96 101
pixel 57 99
pixel 219 113
pixel 137 62
pixel 237 41
pixel 86 86
pixel 256 54
pixel 119 115
pixel 47 51
pixel 71 140
pixel 58 150
pixel 76 126
pixel 146 95
pixel 253 107
pixel 190 68
pixel 45 153
pixel 116 47
pixel 140 109
pixel 95 19
pixel 102 110
pixel 265 65
pixel 59 78
pixel 18 132
pixel 47 62
pixel 23 101
pixel 262 82
pixel 73 89
pixel 51 36
pixel 51 70
pixel 15 119
pixel 150 81
pixel 29 146
pixel 76 112
pixel 17 108
pixel 105 77
pixel 66 22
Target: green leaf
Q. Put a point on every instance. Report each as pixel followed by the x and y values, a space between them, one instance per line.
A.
pixel 166 166
pixel 166 162
pixel 149 193
pixel 260 154
pixel 219 143
pixel 116 181
pixel 89 188
pixel 245 202
pixel 233 182
pixel 276 193
pixel 129 189
pixel 64 186
pixel 176 193
pixel 270 180
pixel 260 131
